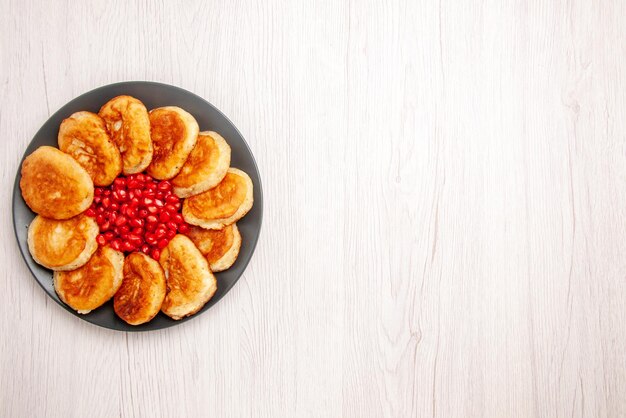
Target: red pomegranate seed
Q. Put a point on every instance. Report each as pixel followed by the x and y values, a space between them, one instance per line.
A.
pixel 121 220
pixel 91 212
pixel 106 192
pixel 151 219
pixel 145 248
pixel 172 199
pixel 100 209
pixel 152 209
pixel 170 234
pixel 134 239
pixel 120 181
pixel 97 199
pixel 131 212
pixel 124 229
pixel 159 195
pixel 156 254
pixel 134 202
pixel 138 193
pixel 170 207
pixel 150 239
pixel 114 206
pixel 116 244
pixel 109 235
pixel 122 195
pixel 178 218
pixel 164 216
pixel 143 213
pixel 136 223
pixel 100 239
pixel 183 228
pixel 160 233
pixel 111 216
pixel 138 231
pixel 105 225
pixel 177 206
pixel 158 203
pixel 147 201
pixel 162 243
pixel 128 246
pixel 106 202
pixel 97 191
pixel 151 226
pixel 172 225
pixel 134 184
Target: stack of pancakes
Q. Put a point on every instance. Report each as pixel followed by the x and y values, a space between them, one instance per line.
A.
pixel 123 139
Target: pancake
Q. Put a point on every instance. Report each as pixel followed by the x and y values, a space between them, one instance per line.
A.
pixel 127 122
pixel 54 185
pixel 205 167
pixel 222 205
pixel 220 247
pixel 62 244
pixel 93 284
pixel 139 298
pixel 84 136
pixel 174 135
pixel 190 283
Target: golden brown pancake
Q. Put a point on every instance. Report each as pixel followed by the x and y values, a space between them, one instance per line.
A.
pixel 84 136
pixel 205 167
pixel 62 244
pixel 54 185
pixel 219 246
pixel 139 298
pixel 190 283
pixel 93 284
pixel 174 135
pixel 127 122
pixel 222 205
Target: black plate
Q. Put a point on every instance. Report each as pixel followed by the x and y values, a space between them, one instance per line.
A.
pixel 152 95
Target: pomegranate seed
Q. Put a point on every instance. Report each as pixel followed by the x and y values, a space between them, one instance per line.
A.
pixel 106 202
pixel 116 230
pixel 150 239
pixel 164 216
pixel 97 191
pixel 135 239
pixel 170 207
pixel 97 199
pixel 160 233
pixel 114 206
pixel 121 220
pixel 105 225
pixel 137 231
pixel 159 195
pixel 164 186
pixel 151 226
pixel 109 235
pixel 152 209
pixel 172 225
pixel 177 206
pixel 145 248
pixel 106 192
pixel 178 218
pixel 143 213
pixel 170 234
pixel 137 223
pixel 158 203
pixel 156 254
pixel 100 239
pixel 172 199
pixel 124 229
pixel 131 212
pixel 134 202
pixel 91 212
pixel 128 246
pixel 134 184
pixel 138 193
pixel 122 194
pixel 116 244
pixel 100 209
pixel 162 243
pixel 151 219
pixel 147 201
pixel 183 228
pixel 111 216
pixel 120 181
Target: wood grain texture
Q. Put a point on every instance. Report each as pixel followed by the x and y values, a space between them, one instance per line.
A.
pixel 445 184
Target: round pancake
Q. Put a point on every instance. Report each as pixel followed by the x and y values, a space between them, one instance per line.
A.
pixel 62 245
pixel 128 124
pixel 84 136
pixel 174 134
pixel 222 205
pixel 139 298
pixel 205 167
pixel 219 246
pixel 93 284
pixel 190 283
pixel 54 185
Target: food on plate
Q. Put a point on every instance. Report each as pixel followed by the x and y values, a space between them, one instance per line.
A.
pixel 190 282
pixel 128 124
pixel 93 284
pixel 54 185
pixel 141 294
pixel 174 134
pixel 62 244
pixel 219 246
pixel 84 136
pixel 222 205
pixel 149 239
pixel 205 167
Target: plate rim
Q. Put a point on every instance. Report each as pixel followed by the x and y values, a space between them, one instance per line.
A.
pixel 17 195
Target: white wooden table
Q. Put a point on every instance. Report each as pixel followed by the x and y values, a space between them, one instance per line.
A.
pixel 444 232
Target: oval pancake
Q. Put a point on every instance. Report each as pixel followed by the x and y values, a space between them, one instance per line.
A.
pixel 139 298
pixel 174 135
pixel 222 205
pixel 205 167
pixel 62 244
pixel 54 185
pixel 84 136
pixel 219 246
pixel 93 284
pixel 128 124
pixel 190 283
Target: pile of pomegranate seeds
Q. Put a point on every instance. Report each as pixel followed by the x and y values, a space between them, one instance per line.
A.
pixel 137 213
